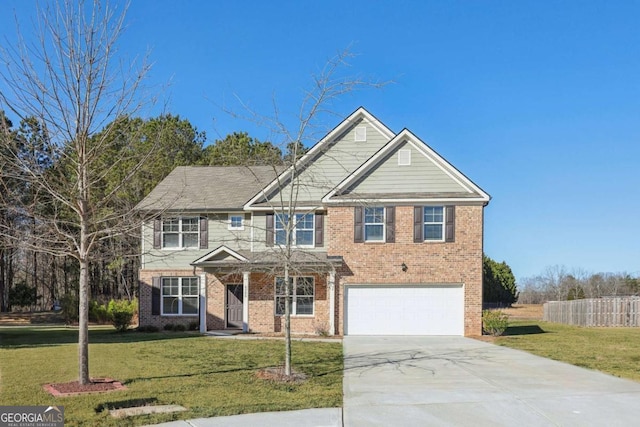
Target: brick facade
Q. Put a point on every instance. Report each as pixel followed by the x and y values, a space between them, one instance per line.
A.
pixel 428 262
pixel 262 316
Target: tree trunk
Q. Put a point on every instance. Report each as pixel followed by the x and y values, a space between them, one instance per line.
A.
pixel 287 322
pixel 83 323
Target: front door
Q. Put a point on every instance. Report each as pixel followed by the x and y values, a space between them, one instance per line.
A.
pixel 234 306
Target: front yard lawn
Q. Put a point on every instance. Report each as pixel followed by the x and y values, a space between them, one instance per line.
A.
pixel 615 351
pixel 208 376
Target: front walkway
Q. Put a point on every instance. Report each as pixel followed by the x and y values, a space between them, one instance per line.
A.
pixel 455 381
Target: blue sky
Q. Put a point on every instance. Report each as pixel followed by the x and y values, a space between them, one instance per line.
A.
pixel 538 102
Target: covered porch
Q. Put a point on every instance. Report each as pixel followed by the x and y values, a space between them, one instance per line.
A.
pixel 244 291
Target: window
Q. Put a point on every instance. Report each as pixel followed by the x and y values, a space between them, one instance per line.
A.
pixel 236 222
pixel 374 224
pixel 404 157
pixel 433 223
pixel 302 291
pixel 180 296
pixel 180 233
pixel 302 229
pixel 361 134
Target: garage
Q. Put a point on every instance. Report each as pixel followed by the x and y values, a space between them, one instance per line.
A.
pixel 404 310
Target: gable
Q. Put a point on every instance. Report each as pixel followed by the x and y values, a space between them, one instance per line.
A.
pixel 329 162
pixel 418 174
pixel 221 254
pixel 406 169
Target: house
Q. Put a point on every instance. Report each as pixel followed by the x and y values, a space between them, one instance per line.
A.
pixel 387 240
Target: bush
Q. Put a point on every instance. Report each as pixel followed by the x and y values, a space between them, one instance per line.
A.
pixel 194 326
pixel 121 313
pixel 168 327
pixel 494 322
pixel 179 327
pixel 98 313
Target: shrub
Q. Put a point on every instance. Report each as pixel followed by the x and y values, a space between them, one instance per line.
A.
pixel 179 327
pixel 98 313
pixel 194 326
pixel 494 322
pixel 121 313
pixel 168 327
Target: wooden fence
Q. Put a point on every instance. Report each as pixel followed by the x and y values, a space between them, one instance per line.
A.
pixel 608 311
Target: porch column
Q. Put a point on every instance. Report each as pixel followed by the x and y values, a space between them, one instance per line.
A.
pixel 245 301
pixel 203 303
pixel 332 302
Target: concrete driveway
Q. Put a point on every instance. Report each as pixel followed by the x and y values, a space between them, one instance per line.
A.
pixel 455 381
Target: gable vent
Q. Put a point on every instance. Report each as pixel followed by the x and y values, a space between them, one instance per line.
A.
pixel 404 157
pixel 361 133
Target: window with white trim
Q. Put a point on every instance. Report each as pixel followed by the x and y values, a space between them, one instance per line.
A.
pixel 302 296
pixel 404 157
pixel 361 134
pixel 374 224
pixel 180 232
pixel 236 222
pixel 302 231
pixel 180 296
pixel 434 223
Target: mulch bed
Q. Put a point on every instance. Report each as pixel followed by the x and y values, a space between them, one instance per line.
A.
pixel 277 374
pixel 74 388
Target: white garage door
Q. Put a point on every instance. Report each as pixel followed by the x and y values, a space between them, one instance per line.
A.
pixel 404 310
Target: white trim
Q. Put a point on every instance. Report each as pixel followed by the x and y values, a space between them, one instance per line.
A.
pixel 203 303
pixel 404 157
pixel 180 297
pixel 422 201
pixel 230 223
pixel 384 224
pixel 294 296
pixel 245 301
pixel 360 134
pixel 219 250
pixel 359 114
pixel 294 230
pixel 332 302
pixel 425 150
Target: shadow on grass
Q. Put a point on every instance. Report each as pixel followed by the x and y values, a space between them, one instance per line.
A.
pixel 131 403
pixel 524 330
pixel 25 337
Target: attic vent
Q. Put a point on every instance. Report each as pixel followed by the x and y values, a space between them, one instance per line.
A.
pixel 361 133
pixel 404 157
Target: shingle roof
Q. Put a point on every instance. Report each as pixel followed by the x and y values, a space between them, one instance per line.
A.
pixel 207 188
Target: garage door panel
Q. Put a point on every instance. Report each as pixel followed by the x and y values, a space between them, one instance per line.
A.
pixel 404 310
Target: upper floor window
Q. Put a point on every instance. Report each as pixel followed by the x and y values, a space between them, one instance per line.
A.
pixel 180 295
pixel 433 223
pixel 236 222
pixel 180 232
pixel 374 224
pixel 302 229
pixel 302 293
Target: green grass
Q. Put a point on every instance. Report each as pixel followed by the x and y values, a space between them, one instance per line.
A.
pixel 208 376
pixel 615 351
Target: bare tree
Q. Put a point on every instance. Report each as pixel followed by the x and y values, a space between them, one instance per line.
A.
pixel 70 81
pixel 309 123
